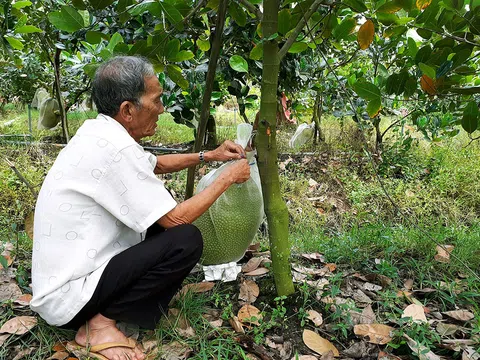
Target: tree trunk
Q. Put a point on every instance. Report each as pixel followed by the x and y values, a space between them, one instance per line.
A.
pixel 61 105
pixel 275 207
pixel 318 116
pixel 378 134
pixel 205 111
pixel 211 135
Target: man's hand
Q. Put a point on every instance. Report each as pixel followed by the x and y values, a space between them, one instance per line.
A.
pixel 226 152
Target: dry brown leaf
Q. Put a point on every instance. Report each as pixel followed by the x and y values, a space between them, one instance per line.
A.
pixel 328 356
pixel 315 317
pixel 311 271
pixel 469 353
pixel 23 300
pixel 9 290
pixel 23 353
pixel 421 351
pixel 460 315
pixel 187 333
pixel 379 279
pixel 428 84
pixel 252 357
pixel 367 316
pixel 314 257
pixel 404 294
pixel 203 170
pixel 359 350
pixel 257 272
pixel 252 264
pixel 216 323
pixel 29 225
pixel 408 284
pixel 416 312
pixel 317 343
pixel 59 355
pixel 254 247
pixel 149 345
pixel 360 297
pixel 318 284
pixel 447 329
pixel 19 325
pixel 249 291
pixel 304 357
pixel 59 347
pixel 236 325
pixel 386 356
pixel 375 333
pixel 3 338
pixel 175 351
pixel 197 287
pixel 443 253
pixel 249 314
pixel 331 266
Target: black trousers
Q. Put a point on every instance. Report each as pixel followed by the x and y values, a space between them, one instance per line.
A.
pixel 137 284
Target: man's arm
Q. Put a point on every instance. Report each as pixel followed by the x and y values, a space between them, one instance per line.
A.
pixel 176 162
pixel 189 210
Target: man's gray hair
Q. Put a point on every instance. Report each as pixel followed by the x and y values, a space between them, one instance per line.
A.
pixel 122 78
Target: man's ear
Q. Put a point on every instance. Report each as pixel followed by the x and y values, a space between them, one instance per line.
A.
pixel 126 111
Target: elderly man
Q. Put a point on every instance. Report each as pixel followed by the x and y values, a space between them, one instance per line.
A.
pixel 111 244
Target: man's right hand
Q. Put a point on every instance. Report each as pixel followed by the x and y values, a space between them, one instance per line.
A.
pixel 239 171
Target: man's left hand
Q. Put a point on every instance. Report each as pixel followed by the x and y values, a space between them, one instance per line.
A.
pixel 227 151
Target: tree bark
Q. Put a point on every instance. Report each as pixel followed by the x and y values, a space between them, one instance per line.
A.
pixel 211 134
pixel 275 207
pixel 205 111
pixel 63 115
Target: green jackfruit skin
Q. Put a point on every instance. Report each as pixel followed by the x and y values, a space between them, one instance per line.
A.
pixel 230 225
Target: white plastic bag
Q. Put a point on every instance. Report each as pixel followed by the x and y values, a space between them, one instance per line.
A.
pixel 230 224
pixel 303 134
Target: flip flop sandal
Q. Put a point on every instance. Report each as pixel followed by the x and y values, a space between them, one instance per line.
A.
pixel 93 351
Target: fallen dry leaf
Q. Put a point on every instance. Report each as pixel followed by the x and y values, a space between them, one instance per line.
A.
pixel 359 350
pixel 216 323
pixel 315 317
pixel 23 300
pixel 257 272
pixel 304 357
pixel 3 338
pixel 416 312
pixel 236 325
pixel 252 264
pixel 332 267
pixel 408 284
pixel 360 297
pixel 311 271
pixel 23 353
pixel 254 247
pixel 59 355
pixel 9 291
pixel 249 314
pixel 318 344
pixel 314 257
pixel 421 351
pixel 249 291
pixel 175 351
pixel 375 333
pixel 447 329
pixel 318 284
pixel 386 356
pixel 367 316
pixel 59 347
pixel 443 253
pixel 469 353
pixel 197 287
pixel 460 315
pixel 328 356
pixel 19 325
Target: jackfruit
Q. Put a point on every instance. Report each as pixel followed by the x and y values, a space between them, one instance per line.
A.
pixel 49 114
pixel 230 224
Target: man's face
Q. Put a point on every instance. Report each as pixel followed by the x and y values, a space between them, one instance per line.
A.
pixel 146 115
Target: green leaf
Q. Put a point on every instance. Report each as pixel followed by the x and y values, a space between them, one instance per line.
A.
pixel 27 29
pixel 21 4
pixel 216 95
pixel 344 29
pixel 175 74
pixel 470 117
pixel 460 57
pixel 93 37
pixel 410 87
pixel 444 68
pixel 79 4
pixel 203 44
pixel 152 7
pixel 90 69
pixel 391 83
pixel 184 55
pixel 373 107
pixel 367 90
pixel 297 47
pixel 238 63
pixel 172 49
pixel 412 47
pixel 423 55
pixel 3 262
pixel 257 52
pixel 121 7
pixel 389 8
pixel 67 19
pixel 356 5
pixel 100 4
pixel 237 13
pixel 427 70
pixel 115 39
pixel 284 21
pixel 173 15
pixel 14 43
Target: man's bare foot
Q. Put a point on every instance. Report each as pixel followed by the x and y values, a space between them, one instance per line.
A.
pixel 102 330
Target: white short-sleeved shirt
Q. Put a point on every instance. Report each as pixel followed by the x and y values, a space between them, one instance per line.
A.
pixel 98 199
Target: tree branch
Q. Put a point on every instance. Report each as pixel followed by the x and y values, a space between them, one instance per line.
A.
pixel 77 96
pixel 250 7
pixel 459 39
pixel 293 36
pixel 21 177
pixel 194 11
